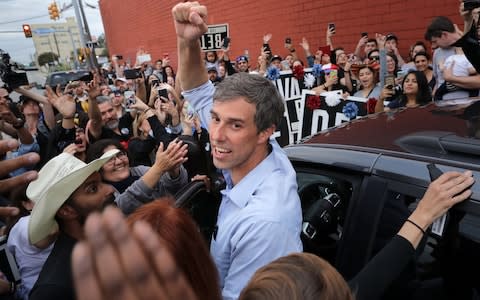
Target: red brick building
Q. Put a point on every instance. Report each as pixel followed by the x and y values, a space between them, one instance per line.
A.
pixel 130 24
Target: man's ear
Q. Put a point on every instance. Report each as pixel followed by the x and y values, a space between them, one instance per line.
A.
pixel 67 212
pixel 264 135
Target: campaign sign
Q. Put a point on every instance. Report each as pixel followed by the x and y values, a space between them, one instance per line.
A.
pixel 306 113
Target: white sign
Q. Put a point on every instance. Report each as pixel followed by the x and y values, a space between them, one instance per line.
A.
pixel 212 39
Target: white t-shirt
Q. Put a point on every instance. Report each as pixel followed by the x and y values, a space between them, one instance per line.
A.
pixel 460 68
pixel 29 258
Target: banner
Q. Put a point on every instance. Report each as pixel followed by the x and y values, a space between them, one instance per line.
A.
pixel 306 114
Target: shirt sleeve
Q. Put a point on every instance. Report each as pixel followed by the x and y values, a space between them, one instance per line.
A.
pixel 201 98
pixel 255 246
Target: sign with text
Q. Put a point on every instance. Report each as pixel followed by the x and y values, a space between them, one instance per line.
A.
pixel 212 39
pixel 305 113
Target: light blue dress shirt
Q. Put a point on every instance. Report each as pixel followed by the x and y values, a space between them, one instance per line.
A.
pixel 259 219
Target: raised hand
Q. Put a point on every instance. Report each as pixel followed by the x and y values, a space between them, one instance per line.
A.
pixel 172 157
pixel 266 38
pixel 9 165
pixel 94 88
pixel 305 45
pixel 115 262
pixel 190 20
pixel 447 190
pixel 63 103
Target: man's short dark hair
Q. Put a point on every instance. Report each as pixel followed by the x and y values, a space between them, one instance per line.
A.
pixel 437 26
pixel 257 90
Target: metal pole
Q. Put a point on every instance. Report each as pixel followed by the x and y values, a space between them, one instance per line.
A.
pixel 56 44
pixel 80 27
pixel 87 29
pixel 75 57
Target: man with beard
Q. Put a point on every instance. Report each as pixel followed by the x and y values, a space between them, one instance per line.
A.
pixel 66 191
pixel 104 121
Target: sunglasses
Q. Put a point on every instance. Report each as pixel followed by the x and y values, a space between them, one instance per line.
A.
pixel 375 57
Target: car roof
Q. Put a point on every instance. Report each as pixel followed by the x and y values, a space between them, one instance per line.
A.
pixel 444 132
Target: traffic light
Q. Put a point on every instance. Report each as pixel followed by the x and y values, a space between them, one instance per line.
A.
pixel 53 11
pixel 27 30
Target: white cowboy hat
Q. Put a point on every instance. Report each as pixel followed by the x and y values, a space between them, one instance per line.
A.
pixel 56 181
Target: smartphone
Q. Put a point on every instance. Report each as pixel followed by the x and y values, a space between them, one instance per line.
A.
pixel 132 73
pixel 165 55
pixel 162 93
pixel 364 34
pixel 267 48
pixel 119 56
pixel 331 27
pixel 389 81
pixel 288 40
pixel 333 74
pixel 129 99
pixel 226 42
pixel 154 82
pixel 190 110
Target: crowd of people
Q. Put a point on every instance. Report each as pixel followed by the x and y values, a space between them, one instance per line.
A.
pixel 135 139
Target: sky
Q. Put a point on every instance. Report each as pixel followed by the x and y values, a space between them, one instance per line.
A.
pixel 14 13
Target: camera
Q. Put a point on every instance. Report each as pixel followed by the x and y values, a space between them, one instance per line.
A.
pixel 11 78
pixel 471 4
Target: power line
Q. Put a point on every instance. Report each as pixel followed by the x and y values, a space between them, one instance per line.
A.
pixel 22 20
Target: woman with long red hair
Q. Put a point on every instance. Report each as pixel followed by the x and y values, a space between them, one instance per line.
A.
pixel 180 235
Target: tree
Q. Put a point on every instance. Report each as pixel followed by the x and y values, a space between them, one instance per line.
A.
pixel 47 58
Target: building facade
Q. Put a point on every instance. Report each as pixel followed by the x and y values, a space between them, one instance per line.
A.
pixel 59 38
pixel 148 24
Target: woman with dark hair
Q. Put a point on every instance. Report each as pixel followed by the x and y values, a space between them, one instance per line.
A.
pixel 180 236
pixel 135 186
pixel 422 63
pixel 368 80
pixel 415 92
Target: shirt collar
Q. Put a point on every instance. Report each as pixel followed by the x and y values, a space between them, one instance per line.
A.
pixel 241 193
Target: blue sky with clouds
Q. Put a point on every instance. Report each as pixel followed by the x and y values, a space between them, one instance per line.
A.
pixel 14 13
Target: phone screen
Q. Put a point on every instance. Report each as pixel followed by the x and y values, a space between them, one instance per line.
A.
pixel 331 26
pixel 163 93
pixel 129 99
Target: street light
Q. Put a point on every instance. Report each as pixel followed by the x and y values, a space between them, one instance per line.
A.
pixel 53 11
pixel 27 30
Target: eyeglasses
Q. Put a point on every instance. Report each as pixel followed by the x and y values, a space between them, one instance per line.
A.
pixel 120 155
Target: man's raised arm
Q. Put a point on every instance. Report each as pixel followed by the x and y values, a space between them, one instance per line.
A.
pixel 190 24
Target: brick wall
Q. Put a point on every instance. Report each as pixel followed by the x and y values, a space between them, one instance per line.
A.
pixel 130 24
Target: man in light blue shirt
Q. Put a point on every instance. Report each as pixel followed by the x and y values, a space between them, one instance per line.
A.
pixel 260 216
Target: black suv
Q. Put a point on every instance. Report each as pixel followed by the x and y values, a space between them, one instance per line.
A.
pixel 64 77
pixel 359 181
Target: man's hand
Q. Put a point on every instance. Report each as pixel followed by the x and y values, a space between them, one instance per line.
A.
pixel 117 262
pixel 9 165
pixel 190 20
pixel 94 88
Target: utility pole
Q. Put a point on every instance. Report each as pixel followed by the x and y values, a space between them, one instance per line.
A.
pixel 80 27
pixel 92 55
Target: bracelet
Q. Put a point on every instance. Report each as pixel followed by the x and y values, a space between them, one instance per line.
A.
pixel 416 225
pixel 147 110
